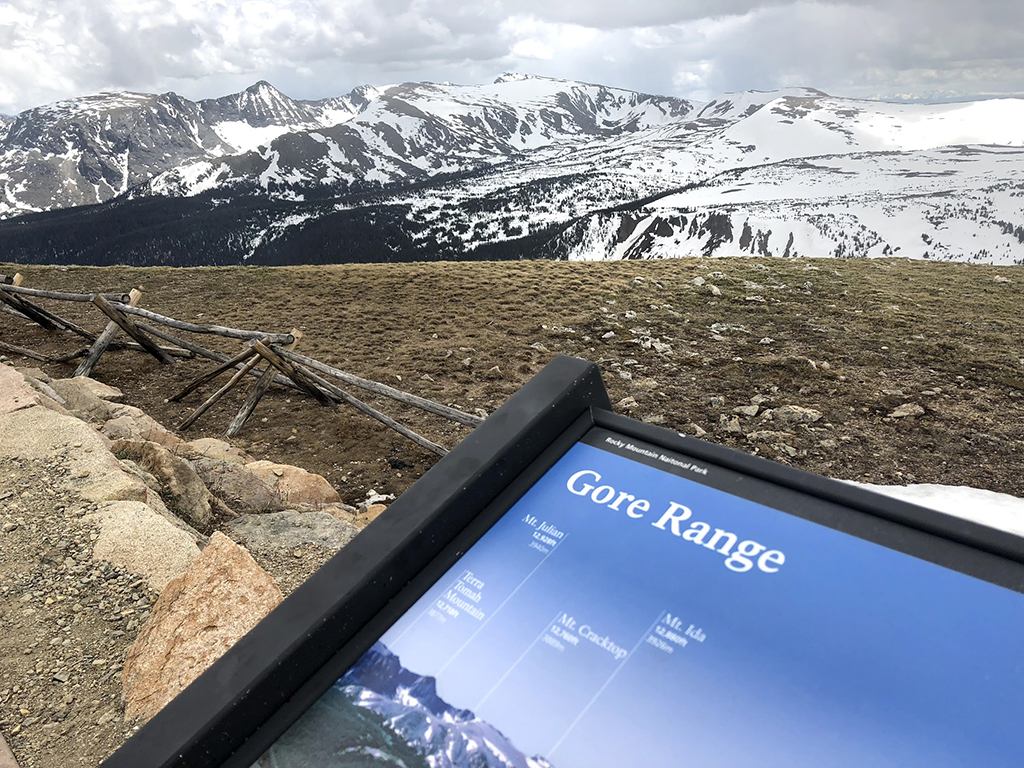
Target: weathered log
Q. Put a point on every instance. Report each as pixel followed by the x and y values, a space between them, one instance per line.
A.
pixel 256 393
pixel 211 375
pixel 44 317
pixel 122 298
pixel 132 346
pixel 239 375
pixel 6 279
pixel 195 349
pixel 291 371
pixel 65 323
pixel 383 389
pixel 120 346
pixel 207 353
pixel 47 390
pixel 103 341
pixel 129 327
pixel 27 309
pixel 70 356
pixel 8 311
pixel 5 347
pixel 383 418
pixel 231 333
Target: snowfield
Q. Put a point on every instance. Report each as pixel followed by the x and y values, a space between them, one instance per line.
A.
pixel 995 510
pixel 600 172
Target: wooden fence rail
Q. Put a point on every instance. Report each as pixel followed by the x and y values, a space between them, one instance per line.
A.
pixel 383 389
pixel 122 298
pixel 219 330
pixel 277 349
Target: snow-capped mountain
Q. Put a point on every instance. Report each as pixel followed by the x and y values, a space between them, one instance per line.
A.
pixel 523 167
pixel 446 736
pixel 91 149
pixel 410 132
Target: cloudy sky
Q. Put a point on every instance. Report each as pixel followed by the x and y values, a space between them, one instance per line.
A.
pixel 911 49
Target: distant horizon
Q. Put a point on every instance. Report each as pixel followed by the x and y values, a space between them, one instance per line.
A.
pixel 904 99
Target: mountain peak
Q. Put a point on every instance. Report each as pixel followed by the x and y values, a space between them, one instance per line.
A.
pixel 261 87
pixel 514 77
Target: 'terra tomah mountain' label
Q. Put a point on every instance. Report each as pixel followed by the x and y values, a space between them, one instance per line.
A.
pixel 637 608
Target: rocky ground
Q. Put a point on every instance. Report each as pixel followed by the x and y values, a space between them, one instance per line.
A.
pixel 97 534
pixel 881 371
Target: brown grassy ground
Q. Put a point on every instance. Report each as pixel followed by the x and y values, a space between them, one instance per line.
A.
pixel 948 336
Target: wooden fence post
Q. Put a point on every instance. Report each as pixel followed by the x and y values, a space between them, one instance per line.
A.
pixel 239 375
pixel 256 392
pixel 291 372
pixel 104 339
pixel 129 327
pixel 242 356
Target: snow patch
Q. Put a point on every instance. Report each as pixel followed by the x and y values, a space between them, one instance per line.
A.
pixel 995 510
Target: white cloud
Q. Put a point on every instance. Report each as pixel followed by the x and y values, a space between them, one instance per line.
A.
pixel 532 48
pixel 51 49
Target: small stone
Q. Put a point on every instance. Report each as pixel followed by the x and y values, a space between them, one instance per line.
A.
pixel 9 527
pixel 795 414
pixel 715 290
pixel 627 403
pixel 746 410
pixel 609 335
pixel 765 435
pixel 755 299
pixel 696 429
pixel 730 424
pixel 767 340
pixel 106 717
pixel 1001 279
pixel 907 409
pixel 698 281
pixel 716 401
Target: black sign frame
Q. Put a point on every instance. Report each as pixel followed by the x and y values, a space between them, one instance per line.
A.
pixel 235 710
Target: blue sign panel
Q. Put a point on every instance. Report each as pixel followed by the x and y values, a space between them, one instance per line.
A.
pixel 629 611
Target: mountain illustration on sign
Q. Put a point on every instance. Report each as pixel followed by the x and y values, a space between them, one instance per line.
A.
pixel 382 714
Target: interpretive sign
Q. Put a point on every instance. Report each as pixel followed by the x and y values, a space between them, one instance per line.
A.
pixel 634 597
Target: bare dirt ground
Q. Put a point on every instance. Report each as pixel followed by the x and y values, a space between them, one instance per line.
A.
pixel 854 340
pixel 948 337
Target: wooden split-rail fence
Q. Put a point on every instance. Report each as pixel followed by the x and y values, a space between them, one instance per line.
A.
pixel 265 359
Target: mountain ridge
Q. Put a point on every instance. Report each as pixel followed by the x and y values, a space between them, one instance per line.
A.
pixel 505 169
